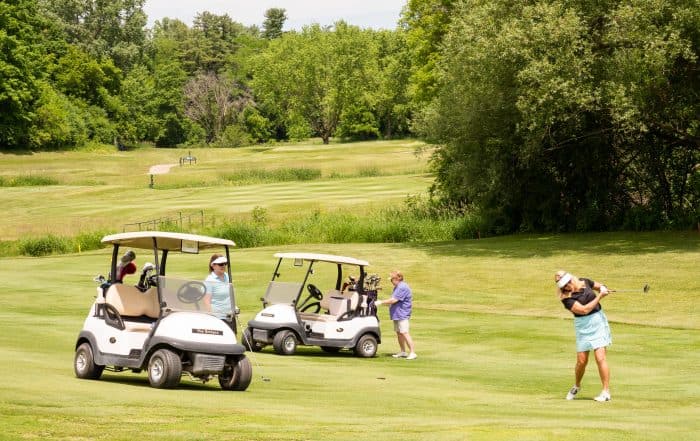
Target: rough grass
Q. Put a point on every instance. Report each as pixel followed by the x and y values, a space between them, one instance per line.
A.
pixel 495 351
pixel 101 190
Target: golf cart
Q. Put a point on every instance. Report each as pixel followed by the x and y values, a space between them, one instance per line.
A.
pixel 295 311
pixel 162 324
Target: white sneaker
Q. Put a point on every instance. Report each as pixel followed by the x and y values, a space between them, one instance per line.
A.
pixel 400 355
pixel 412 356
pixel 604 396
pixel 572 393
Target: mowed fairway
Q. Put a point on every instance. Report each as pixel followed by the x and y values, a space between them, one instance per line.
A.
pixel 110 189
pixel 495 346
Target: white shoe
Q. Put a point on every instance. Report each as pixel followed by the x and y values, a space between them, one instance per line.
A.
pixel 604 396
pixel 572 393
pixel 400 355
pixel 412 356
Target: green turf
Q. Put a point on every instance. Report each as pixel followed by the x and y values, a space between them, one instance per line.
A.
pixel 110 189
pixel 496 351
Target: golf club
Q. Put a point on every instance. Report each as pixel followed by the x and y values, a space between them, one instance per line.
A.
pixel 645 289
pixel 252 357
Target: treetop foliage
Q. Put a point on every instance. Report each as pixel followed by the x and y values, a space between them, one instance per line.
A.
pixel 553 115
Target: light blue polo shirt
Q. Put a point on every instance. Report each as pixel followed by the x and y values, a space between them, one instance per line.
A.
pixel 220 295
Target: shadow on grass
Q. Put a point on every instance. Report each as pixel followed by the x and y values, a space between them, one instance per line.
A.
pixel 595 244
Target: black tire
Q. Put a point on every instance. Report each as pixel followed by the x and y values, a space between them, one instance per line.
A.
pixel 330 349
pixel 164 369
pixel 237 376
pixel 250 344
pixel 366 346
pixel 285 342
pixel 84 363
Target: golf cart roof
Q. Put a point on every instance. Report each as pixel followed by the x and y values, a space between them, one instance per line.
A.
pixel 323 258
pixel 166 240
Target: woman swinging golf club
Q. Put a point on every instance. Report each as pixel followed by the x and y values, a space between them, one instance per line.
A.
pixel 592 330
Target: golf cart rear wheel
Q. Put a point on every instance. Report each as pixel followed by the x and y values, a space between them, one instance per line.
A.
pixel 84 363
pixel 285 342
pixel 249 343
pixel 164 369
pixel 236 376
pixel 366 346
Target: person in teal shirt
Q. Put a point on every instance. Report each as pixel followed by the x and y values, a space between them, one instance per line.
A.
pixel 218 297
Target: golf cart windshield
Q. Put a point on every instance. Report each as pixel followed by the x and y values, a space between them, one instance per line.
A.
pixel 299 277
pixel 196 296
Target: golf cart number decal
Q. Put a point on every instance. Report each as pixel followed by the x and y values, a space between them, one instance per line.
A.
pixel 207 331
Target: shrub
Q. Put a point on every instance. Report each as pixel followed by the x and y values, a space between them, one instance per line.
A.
pixel 43 246
pixel 89 241
pixel 27 181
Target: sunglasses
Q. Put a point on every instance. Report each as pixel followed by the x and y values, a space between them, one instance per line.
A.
pixel 221 264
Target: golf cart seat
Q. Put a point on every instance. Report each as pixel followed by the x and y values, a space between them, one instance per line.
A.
pixel 337 305
pixel 137 309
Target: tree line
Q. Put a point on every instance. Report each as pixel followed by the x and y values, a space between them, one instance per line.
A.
pixel 548 115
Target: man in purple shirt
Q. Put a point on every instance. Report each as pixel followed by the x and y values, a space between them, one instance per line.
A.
pixel 401 302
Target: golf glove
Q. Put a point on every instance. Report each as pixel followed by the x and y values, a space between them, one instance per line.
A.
pixel 378 302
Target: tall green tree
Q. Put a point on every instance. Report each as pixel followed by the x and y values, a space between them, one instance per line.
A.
pixel 570 114
pixel 113 29
pixel 169 79
pixel 21 61
pixel 212 41
pixel 425 22
pixel 310 79
pixel 274 22
pixel 393 105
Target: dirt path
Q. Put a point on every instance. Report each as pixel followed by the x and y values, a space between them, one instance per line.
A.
pixel 160 169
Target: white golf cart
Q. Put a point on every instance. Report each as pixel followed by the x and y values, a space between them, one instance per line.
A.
pixel 295 311
pixel 162 324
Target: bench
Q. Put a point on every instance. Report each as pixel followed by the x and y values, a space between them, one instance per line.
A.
pixel 137 309
pixel 336 303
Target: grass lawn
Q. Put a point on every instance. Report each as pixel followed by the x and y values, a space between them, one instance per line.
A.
pixel 496 347
pixel 496 351
pixel 106 190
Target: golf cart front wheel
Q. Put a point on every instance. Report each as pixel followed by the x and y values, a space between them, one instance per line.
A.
pixel 366 346
pixel 237 375
pixel 164 369
pixel 285 343
pixel 84 363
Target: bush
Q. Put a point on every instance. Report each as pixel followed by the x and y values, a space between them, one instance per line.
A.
pixel 233 136
pixel 245 235
pixel 278 175
pixel 27 181
pixel 44 246
pixel 89 241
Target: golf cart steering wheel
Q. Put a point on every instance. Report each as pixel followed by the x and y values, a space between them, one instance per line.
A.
pixel 315 292
pixel 191 292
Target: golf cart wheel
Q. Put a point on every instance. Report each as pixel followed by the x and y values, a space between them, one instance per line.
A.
pixel 366 346
pixel 84 363
pixel 164 369
pixel 249 343
pixel 285 342
pixel 236 376
pixel 330 349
